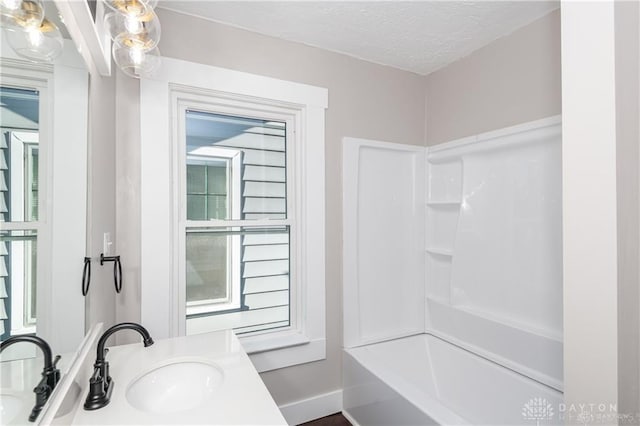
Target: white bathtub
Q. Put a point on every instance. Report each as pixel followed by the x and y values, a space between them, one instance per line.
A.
pixel 425 380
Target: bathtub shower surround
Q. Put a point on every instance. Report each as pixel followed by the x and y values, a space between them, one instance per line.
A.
pixel 457 317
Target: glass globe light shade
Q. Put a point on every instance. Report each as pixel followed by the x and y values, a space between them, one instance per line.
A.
pixel 134 61
pixel 40 44
pixel 21 14
pixel 132 8
pixel 144 31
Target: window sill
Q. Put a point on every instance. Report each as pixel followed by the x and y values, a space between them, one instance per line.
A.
pixel 269 352
pixel 270 341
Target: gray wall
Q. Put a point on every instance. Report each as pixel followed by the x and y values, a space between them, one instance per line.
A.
pixel 100 303
pixel 127 200
pixel 510 81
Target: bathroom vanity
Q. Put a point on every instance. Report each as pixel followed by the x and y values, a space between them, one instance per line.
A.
pixel 199 379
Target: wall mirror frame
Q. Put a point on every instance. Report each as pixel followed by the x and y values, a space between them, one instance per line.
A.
pixel 84 21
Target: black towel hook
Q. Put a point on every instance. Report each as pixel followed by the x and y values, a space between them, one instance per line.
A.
pixel 86 276
pixel 117 270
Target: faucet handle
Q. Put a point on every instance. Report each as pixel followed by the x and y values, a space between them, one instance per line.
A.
pixel 96 383
pixel 52 375
pixel 42 390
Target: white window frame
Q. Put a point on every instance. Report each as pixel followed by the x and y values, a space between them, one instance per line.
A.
pixel 304 340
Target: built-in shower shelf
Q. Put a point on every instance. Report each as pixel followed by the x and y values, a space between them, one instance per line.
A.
pixel 444 203
pixel 440 251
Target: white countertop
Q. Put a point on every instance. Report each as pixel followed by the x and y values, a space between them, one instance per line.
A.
pixel 17 379
pixel 241 398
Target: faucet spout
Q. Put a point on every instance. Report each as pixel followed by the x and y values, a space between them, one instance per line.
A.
pixel 50 374
pixel 146 337
pixel 100 383
pixel 38 341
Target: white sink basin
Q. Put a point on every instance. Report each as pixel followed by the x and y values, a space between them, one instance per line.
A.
pixel 178 385
pixel 10 406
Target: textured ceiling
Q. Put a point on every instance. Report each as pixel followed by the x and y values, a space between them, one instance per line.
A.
pixel 418 36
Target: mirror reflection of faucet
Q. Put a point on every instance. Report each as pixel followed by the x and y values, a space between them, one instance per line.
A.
pixel 50 374
pixel 100 383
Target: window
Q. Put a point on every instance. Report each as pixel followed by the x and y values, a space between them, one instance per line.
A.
pixel 236 276
pixel 242 167
pixel 19 199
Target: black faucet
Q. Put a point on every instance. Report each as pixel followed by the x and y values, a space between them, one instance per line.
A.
pixel 100 383
pixel 50 374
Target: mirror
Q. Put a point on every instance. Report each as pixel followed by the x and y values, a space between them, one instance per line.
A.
pixel 43 191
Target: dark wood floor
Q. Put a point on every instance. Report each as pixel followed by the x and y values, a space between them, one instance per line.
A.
pixel 333 420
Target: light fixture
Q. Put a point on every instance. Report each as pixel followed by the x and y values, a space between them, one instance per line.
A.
pixel 21 14
pixel 142 32
pixel 135 30
pixel 28 32
pixel 132 8
pixel 43 43
pixel 135 61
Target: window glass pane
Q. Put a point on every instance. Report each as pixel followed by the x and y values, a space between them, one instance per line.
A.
pixel 18 154
pixel 32 183
pixel 197 207
pixel 217 179
pixel 251 270
pixel 196 179
pixel 18 279
pixel 31 250
pixel 207 268
pixel 217 206
pixel 246 165
pixel 207 189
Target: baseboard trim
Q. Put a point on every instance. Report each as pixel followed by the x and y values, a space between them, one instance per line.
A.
pixel 349 417
pixel 312 408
